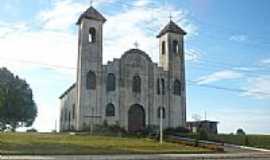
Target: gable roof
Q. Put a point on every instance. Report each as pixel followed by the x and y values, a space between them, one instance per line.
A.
pixel 91 13
pixel 68 90
pixel 173 28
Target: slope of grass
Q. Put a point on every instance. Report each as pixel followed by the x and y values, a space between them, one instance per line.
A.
pixel 60 144
pixel 260 141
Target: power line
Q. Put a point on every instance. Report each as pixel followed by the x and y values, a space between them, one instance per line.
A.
pixel 201 66
pixel 190 82
pixel 38 63
pixel 225 88
pixel 244 42
pixel 206 64
pixel 225 28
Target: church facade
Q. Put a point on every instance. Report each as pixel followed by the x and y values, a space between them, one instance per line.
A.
pixel 132 91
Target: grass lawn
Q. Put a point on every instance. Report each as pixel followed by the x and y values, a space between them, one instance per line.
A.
pixel 260 141
pixel 60 144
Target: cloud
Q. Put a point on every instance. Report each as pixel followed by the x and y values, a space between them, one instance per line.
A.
pixel 265 62
pixel 193 55
pixel 55 39
pixel 141 3
pixel 259 87
pixel 63 14
pixel 246 69
pixel 44 47
pixel 143 23
pixel 253 120
pixel 47 117
pixel 51 41
pixel 238 38
pixel 218 76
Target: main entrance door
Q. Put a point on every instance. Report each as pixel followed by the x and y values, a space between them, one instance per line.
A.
pixel 136 118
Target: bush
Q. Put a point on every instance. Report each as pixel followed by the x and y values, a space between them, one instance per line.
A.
pixel 176 130
pixel 31 130
pixel 106 129
pixel 203 135
pixel 151 130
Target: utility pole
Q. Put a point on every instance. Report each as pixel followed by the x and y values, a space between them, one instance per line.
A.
pixel 55 125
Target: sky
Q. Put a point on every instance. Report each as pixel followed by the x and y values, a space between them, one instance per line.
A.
pixel 227 52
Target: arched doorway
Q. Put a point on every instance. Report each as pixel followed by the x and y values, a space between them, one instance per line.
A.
pixel 136 118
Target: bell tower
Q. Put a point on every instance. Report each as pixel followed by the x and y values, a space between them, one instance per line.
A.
pixel 172 60
pixel 89 66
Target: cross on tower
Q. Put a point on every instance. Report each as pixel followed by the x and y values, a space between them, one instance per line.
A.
pixel 91 2
pixel 171 17
pixel 136 44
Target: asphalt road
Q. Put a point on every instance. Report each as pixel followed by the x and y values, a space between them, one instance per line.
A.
pixel 235 156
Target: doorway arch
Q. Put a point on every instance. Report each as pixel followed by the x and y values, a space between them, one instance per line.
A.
pixel 136 118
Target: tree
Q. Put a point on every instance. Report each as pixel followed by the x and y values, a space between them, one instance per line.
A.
pixel 240 131
pixel 17 107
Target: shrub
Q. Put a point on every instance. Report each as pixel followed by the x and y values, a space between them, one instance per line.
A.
pixel 151 130
pixel 203 134
pixel 106 129
pixel 176 130
pixel 31 130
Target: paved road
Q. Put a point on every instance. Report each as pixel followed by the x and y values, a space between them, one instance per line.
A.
pixel 239 156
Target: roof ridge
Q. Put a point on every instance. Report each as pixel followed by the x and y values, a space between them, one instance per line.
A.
pixel 91 13
pixel 173 28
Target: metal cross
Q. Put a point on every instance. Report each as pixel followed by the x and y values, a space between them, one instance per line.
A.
pixel 171 17
pixel 136 44
pixel 91 2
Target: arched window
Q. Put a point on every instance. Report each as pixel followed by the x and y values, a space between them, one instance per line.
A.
pixel 110 84
pixel 91 80
pixel 163 47
pixel 177 87
pixel 162 109
pixel 110 110
pixel 69 118
pixel 92 35
pixel 73 111
pixel 158 87
pixel 163 86
pixel 175 46
pixel 66 114
pixel 63 115
pixel 136 84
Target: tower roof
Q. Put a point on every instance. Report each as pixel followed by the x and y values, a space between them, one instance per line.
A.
pixel 91 13
pixel 173 28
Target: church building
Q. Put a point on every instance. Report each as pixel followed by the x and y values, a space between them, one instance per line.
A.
pixel 132 91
